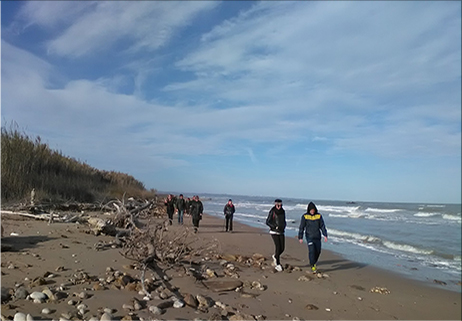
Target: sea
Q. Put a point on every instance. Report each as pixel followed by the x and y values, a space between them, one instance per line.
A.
pixel 419 241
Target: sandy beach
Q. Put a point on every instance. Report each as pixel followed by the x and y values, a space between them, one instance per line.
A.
pixel 343 290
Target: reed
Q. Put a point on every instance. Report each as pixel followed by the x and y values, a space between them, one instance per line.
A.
pixel 27 163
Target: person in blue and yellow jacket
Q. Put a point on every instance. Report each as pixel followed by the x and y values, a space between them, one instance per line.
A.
pixel 313 225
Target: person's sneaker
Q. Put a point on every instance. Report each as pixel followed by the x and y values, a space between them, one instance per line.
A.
pixel 274 260
pixel 313 269
pixel 278 268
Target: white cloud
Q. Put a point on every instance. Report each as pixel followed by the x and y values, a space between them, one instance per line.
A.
pixel 144 25
pixel 49 14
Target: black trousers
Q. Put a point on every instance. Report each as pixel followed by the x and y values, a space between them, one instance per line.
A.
pixel 279 245
pixel 229 222
pixel 170 217
pixel 196 220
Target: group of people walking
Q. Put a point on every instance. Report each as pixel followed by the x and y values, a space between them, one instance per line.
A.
pixel 192 207
pixel 311 226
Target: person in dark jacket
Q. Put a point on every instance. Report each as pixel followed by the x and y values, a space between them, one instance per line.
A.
pixel 180 206
pixel 276 221
pixel 313 225
pixel 187 207
pixel 228 212
pixel 196 212
pixel 169 202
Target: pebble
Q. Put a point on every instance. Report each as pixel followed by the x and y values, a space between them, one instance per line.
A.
pixel 155 310
pixel 83 295
pixel 20 293
pixel 204 301
pixel 191 300
pixel 19 316
pixel 380 290
pixel 137 306
pixel 127 307
pixel 311 307
pixel 46 311
pixel 178 304
pixel 106 317
pixel 82 306
pixel 38 296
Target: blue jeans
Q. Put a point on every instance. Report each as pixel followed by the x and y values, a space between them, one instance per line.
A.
pixel 180 216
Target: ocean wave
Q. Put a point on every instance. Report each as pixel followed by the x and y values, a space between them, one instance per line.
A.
pixel 376 241
pixel 249 215
pixel 337 215
pixel 355 236
pixel 406 248
pixel 452 217
pixel 337 209
pixel 421 214
pixel 297 207
pixel 423 218
pixel 252 205
pixel 381 210
pixel 446 262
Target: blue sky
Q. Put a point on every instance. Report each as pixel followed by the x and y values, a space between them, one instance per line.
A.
pixel 331 100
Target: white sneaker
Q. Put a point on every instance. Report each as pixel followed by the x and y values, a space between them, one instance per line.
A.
pixel 278 268
pixel 274 260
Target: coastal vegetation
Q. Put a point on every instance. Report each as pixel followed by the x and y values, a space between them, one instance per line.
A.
pixel 31 169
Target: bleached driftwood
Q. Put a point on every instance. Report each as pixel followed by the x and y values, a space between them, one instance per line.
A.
pixel 52 217
pixel 35 216
pixel 103 226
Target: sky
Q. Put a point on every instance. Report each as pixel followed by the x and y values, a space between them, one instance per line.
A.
pixel 321 100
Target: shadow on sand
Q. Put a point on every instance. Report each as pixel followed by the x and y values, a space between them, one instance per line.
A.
pixel 19 243
pixel 336 265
